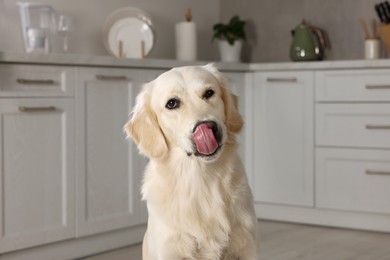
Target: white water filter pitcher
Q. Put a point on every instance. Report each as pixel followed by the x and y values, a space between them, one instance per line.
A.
pixel 38 24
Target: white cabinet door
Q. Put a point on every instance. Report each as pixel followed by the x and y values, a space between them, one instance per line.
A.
pixel 109 167
pixel 283 137
pixel 37 175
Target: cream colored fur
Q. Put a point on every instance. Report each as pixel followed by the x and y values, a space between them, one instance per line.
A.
pixel 199 208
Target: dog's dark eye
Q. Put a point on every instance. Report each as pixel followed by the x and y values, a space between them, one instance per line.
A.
pixel 208 94
pixel 173 103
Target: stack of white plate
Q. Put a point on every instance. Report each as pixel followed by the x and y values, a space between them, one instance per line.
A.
pixel 128 33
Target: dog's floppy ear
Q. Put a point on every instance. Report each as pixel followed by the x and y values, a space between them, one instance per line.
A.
pixel 144 129
pixel 234 120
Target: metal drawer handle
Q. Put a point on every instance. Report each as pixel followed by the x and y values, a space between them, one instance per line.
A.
pixel 374 172
pixel 383 127
pixel 36 81
pixel 292 79
pixel 387 86
pixel 108 78
pixel 37 109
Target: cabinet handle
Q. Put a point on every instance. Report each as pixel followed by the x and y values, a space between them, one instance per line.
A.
pixel 380 127
pixel 36 81
pixel 387 86
pixel 374 172
pixel 292 79
pixel 111 78
pixel 37 109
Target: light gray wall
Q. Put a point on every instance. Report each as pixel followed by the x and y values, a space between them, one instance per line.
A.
pixel 270 23
pixel 89 16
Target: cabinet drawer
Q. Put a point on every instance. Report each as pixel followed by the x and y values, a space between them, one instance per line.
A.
pixel 353 125
pixel 353 85
pixel 36 81
pixel 357 180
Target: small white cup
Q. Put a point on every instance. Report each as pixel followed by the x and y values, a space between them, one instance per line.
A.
pixel 372 48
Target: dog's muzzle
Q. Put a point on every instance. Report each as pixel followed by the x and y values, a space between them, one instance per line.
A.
pixel 207 137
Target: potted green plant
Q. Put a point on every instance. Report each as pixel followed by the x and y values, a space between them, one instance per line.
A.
pixel 231 37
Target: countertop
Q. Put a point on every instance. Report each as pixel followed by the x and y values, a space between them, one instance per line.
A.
pixel 321 65
pixel 109 61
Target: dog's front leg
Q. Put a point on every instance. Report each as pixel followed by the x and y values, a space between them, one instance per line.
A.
pixel 243 245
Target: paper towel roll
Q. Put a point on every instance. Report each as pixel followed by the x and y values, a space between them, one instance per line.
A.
pixel 186 41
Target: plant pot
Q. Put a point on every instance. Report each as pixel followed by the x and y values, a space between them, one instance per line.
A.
pixel 230 53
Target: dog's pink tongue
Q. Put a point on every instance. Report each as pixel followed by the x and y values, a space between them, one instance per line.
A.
pixel 205 140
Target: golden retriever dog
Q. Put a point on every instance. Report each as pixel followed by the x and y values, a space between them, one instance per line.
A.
pixel 199 203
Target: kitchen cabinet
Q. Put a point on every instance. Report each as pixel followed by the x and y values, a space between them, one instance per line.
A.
pixel 67 170
pixel 37 168
pixel 353 140
pixel 323 160
pixel 109 167
pixel 283 137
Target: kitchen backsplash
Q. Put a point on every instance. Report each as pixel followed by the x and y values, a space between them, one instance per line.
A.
pixel 269 24
pixel 89 16
pixel 271 21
